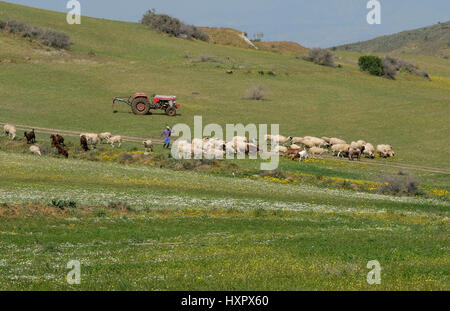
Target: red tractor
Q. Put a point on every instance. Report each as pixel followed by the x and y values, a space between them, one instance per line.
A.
pixel 141 103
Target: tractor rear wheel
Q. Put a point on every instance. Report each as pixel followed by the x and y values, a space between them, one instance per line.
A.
pixel 140 105
pixel 171 111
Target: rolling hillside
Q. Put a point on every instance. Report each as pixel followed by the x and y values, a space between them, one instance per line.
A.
pixel 432 40
pixel 145 221
pixel 72 90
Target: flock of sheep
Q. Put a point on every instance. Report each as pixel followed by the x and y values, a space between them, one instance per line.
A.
pixel 314 146
pixel 293 147
pixel 57 141
pixel 212 148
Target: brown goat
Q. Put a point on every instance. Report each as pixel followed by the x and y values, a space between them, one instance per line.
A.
pixel 84 143
pixel 57 140
pixel 352 152
pixel 31 137
pixel 293 153
pixel 62 150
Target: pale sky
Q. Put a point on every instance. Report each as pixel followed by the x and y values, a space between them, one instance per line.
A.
pixel 312 23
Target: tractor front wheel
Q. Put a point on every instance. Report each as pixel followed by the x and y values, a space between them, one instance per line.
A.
pixel 171 111
pixel 140 105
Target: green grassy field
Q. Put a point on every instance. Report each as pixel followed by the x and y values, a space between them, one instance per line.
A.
pixel 154 223
pixel 188 230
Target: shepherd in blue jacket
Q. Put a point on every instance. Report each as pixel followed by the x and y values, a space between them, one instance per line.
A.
pixel 166 134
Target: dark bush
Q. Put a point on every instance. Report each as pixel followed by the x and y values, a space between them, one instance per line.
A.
pixel 256 92
pixel 371 64
pixel 402 184
pixel 320 56
pixel 61 204
pixel 172 26
pixel 125 157
pixel 45 36
pixel 119 205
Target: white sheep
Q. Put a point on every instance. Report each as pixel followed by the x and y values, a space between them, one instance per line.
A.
pixel 297 140
pixel 317 151
pixel 229 148
pixel 104 136
pixel 385 151
pixel 10 131
pixel 358 144
pixel 184 148
pixel 337 141
pixel 148 144
pixel 294 146
pixel 214 154
pixel 340 149
pixel 115 139
pixel 369 150
pixel 277 138
pixel 92 138
pixel 35 149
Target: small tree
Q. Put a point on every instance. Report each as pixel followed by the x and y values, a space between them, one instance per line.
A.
pixel 371 64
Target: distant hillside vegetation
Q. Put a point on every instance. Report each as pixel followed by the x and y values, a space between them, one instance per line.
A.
pixel 283 47
pixel 432 40
pixel 236 38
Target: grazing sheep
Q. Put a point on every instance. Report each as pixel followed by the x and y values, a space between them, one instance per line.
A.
pixel 31 137
pixel 214 154
pixel 308 143
pixel 358 144
pixel 57 140
pixel 278 138
pixel 340 149
pixel 62 150
pixel 252 148
pixel 229 148
pixel 240 146
pixel 104 136
pixel 148 145
pixel 10 131
pixel 84 143
pixel 369 150
pixel 326 139
pixel 36 150
pixel 317 151
pixel 317 142
pixel 184 148
pixel 92 138
pixel 337 141
pixel 296 140
pixel 385 151
pixel 115 139
pixel 294 146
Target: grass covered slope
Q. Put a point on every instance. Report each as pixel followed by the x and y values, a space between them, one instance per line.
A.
pixel 73 90
pixel 431 40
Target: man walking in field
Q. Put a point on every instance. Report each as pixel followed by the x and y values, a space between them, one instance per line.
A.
pixel 166 134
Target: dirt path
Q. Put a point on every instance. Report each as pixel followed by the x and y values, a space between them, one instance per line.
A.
pixel 159 141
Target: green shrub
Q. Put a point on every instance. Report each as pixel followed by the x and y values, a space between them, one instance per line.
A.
pixel 172 26
pixel 371 64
